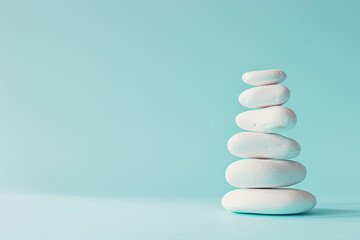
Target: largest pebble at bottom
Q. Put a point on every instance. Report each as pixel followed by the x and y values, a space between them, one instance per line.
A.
pixel 269 201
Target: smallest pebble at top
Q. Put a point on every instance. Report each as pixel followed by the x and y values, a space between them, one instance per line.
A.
pixel 264 77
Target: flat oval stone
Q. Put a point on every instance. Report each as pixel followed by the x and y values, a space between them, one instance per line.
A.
pixel 269 201
pixel 264 96
pixel 268 120
pixel 264 173
pixel 263 145
pixel 264 77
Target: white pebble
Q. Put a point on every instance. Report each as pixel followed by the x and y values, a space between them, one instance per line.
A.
pixel 264 173
pixel 264 77
pixel 263 145
pixel 264 96
pixel 268 120
pixel 269 201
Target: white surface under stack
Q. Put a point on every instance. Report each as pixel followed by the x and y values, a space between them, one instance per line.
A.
pixel 267 167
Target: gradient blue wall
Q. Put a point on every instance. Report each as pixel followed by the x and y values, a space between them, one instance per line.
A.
pixel 138 98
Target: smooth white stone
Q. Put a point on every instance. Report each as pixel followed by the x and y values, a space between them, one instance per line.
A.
pixel 264 96
pixel 269 201
pixel 263 145
pixel 268 120
pixel 264 173
pixel 264 77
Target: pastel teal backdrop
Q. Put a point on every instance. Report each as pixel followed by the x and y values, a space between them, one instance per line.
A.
pixel 138 98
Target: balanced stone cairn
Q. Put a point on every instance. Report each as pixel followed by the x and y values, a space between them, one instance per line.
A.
pixel 265 168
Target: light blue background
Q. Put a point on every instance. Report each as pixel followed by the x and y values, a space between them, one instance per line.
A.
pixel 138 98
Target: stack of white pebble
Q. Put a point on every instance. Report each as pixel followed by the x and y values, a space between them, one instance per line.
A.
pixel 266 167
